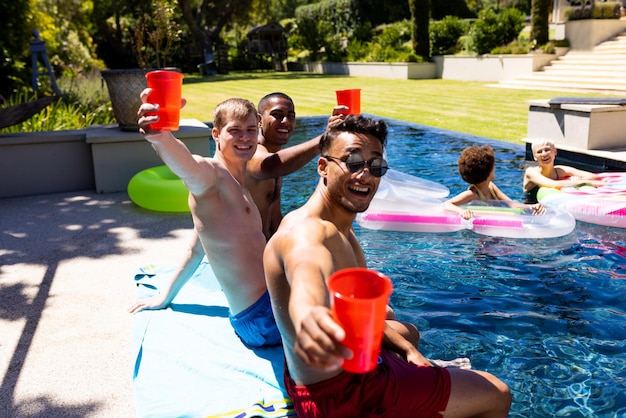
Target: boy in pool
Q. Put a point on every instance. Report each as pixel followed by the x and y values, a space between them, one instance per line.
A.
pixel 546 174
pixel 312 243
pixel 477 167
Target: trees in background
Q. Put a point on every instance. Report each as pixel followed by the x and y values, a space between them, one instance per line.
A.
pixel 458 8
pixel 420 20
pixel 477 5
pixel 90 35
pixel 14 39
pixel 540 27
pixel 65 27
pixel 206 20
pixel 493 29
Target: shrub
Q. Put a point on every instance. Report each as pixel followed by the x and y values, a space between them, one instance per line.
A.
pixel 445 35
pixel 606 10
pixel 390 43
pixel 561 43
pixel 548 48
pixel 322 26
pixel 491 30
pixel 599 10
pixel 84 102
pixel 515 47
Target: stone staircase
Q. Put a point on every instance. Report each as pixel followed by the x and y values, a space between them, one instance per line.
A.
pixel 601 70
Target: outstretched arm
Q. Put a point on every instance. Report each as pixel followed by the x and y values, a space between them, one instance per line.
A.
pixel 533 177
pixel 296 264
pixel 195 171
pixel 182 274
pixel 577 173
pixel 454 204
pixel 265 164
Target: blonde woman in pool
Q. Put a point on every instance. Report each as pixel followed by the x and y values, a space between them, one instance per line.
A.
pixel 546 174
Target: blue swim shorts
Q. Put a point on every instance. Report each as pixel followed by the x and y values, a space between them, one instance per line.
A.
pixel 255 325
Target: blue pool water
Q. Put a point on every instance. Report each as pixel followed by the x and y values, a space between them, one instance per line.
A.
pixel 546 316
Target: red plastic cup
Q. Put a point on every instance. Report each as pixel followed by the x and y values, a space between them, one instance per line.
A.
pixel 350 98
pixel 167 89
pixel 358 298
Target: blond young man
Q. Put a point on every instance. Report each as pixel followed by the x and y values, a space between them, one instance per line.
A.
pixel 224 214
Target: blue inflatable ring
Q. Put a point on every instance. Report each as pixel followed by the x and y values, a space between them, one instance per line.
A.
pixel 159 189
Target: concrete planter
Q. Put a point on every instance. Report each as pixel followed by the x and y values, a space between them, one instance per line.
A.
pixel 585 34
pixel 451 67
pixel 592 126
pixel 395 70
pixel 561 50
pixel 45 162
pixel 118 156
pixel 101 158
pixel 489 67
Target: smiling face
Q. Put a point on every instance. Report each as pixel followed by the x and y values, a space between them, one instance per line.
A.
pixel 235 129
pixel 544 153
pixel 352 191
pixel 278 121
pixel 237 140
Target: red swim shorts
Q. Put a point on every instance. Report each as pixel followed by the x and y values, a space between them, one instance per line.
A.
pixel 394 389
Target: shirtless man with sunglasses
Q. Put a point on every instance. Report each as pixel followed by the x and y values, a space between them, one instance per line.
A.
pixel 311 244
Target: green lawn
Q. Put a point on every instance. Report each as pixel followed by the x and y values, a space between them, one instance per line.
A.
pixel 469 107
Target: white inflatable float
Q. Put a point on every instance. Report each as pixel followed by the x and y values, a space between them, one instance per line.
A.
pixel 405 207
pixel 397 184
pixel 604 205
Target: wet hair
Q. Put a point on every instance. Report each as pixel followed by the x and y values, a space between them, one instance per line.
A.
pixel 265 101
pixel 476 163
pixel 541 142
pixel 235 108
pixel 356 124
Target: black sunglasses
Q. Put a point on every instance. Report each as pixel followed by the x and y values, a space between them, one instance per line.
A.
pixel 355 163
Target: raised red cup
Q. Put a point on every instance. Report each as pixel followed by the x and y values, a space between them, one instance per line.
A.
pixel 359 298
pixel 167 89
pixel 350 98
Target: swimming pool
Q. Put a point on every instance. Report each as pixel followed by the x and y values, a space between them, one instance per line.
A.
pixel 547 316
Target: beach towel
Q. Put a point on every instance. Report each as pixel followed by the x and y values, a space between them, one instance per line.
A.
pixel 190 363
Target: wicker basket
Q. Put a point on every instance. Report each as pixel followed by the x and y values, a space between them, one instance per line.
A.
pixel 124 87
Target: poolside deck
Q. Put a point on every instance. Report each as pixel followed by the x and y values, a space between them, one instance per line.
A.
pixel 67 263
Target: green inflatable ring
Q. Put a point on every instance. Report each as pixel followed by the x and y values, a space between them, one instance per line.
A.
pixel 159 189
pixel 545 192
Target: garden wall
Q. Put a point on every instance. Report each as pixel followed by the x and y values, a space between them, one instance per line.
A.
pixel 396 70
pixel 585 34
pixel 101 158
pixel 45 162
pixel 451 67
pixel 489 67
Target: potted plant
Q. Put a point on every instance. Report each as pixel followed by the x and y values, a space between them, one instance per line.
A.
pixel 152 38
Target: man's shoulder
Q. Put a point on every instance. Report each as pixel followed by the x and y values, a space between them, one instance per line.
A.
pixel 298 220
